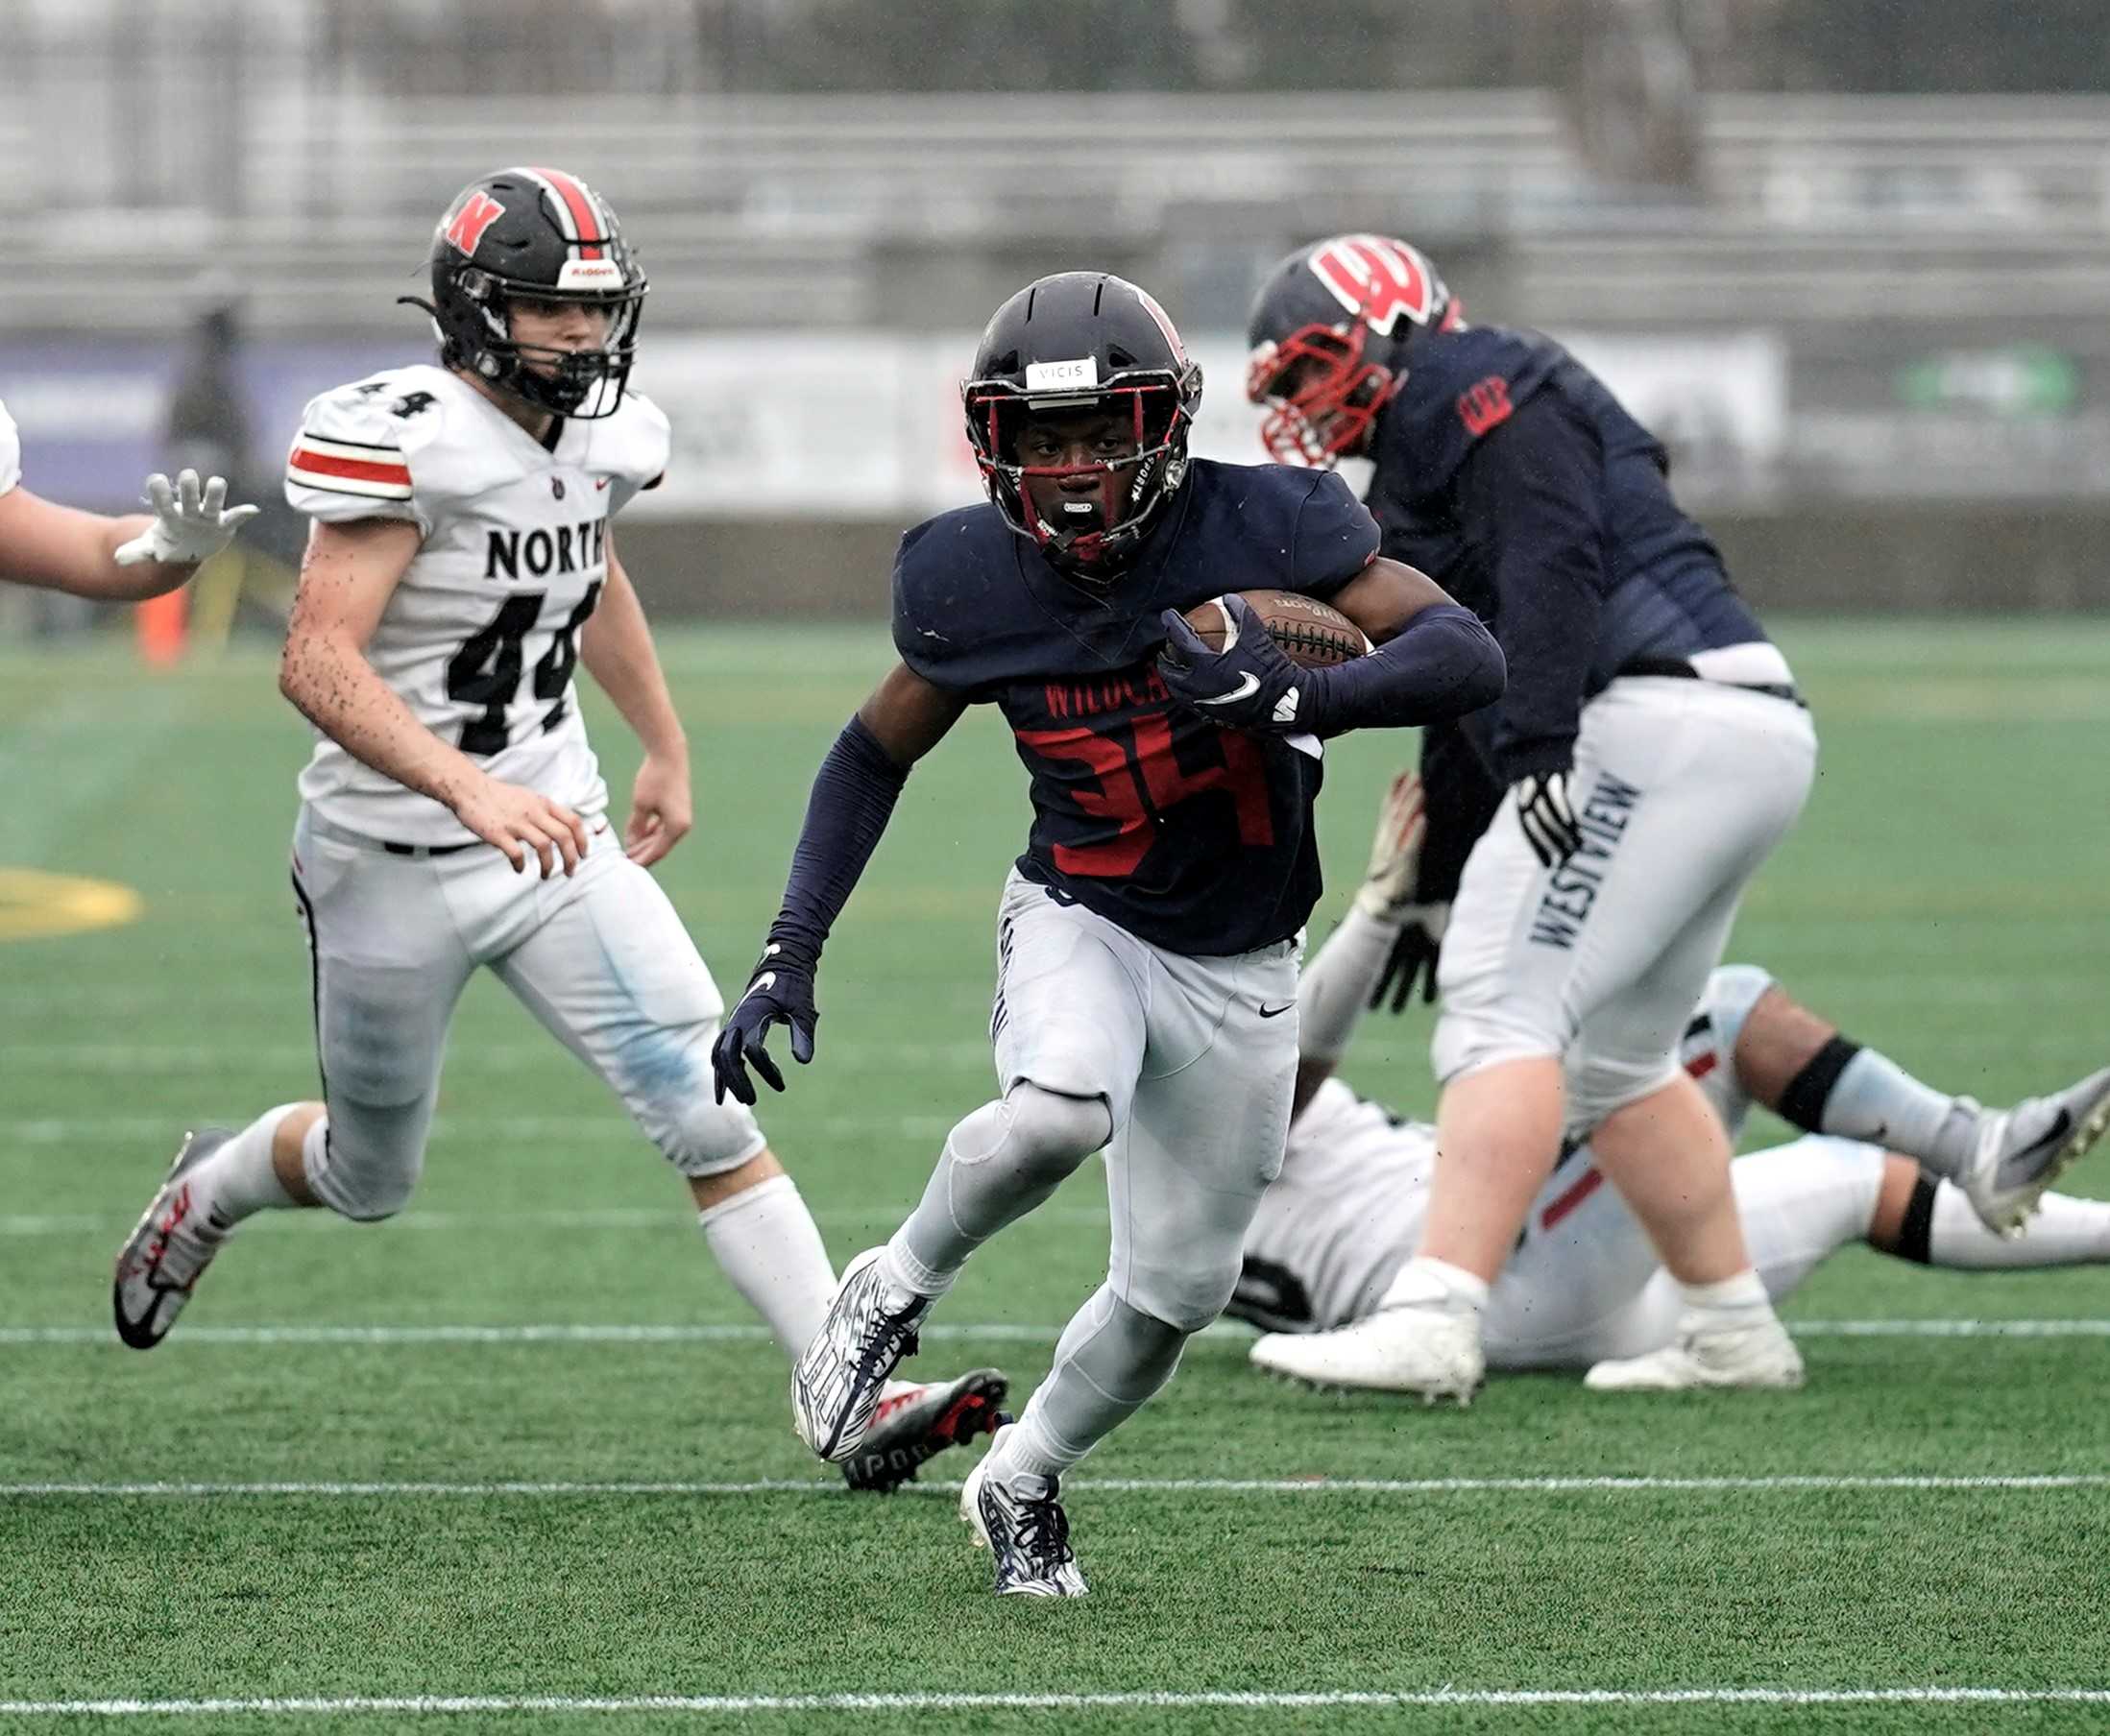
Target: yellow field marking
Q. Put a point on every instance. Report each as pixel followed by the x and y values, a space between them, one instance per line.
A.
pixel 37 907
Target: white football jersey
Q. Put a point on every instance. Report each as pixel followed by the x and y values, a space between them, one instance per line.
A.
pixel 482 633
pixel 1355 1190
pixel 11 452
pixel 1346 1210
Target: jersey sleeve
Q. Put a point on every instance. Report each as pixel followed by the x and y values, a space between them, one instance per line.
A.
pixel 1462 387
pixel 643 445
pixel 932 609
pixel 1334 538
pixel 348 461
pixel 11 452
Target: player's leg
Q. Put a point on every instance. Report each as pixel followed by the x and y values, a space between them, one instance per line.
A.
pixel 1069 1034
pixel 1185 1175
pixel 609 968
pixel 1928 1221
pixel 1655 1135
pixel 387 968
pixel 1797 1063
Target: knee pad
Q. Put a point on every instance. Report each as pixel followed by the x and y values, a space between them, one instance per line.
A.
pixel 1468 1041
pixel 704 1137
pixel 1043 1135
pixel 1596 1089
pixel 663 1075
pixel 1178 1304
pixel 363 1161
pixel 1731 991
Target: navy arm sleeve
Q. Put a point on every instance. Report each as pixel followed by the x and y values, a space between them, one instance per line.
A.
pixel 1444 665
pixel 1531 494
pixel 854 796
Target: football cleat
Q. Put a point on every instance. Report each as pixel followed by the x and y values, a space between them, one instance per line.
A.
pixel 1759 1356
pixel 164 1257
pixel 1406 1348
pixel 837 1383
pixel 1020 1520
pixel 917 1423
pixel 2022 1150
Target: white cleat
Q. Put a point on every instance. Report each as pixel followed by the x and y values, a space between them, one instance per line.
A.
pixel 1021 1522
pixel 838 1381
pixel 168 1250
pixel 1757 1357
pixel 1433 1352
pixel 2022 1150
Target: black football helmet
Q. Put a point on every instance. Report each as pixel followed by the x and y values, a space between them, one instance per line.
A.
pixel 543 235
pixel 1331 331
pixel 1075 341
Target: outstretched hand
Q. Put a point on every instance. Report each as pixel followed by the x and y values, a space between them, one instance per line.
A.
pixel 189 524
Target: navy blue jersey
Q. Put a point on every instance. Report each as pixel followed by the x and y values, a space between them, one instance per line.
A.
pixel 1194 838
pixel 1508 473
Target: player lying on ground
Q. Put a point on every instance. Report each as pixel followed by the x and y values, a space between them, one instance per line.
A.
pixel 1651 749
pixel 110 560
pixel 1147 940
pixel 1584 1286
pixel 461 563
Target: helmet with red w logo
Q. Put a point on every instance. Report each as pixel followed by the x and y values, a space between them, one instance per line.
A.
pixel 1329 333
pixel 1072 345
pixel 540 235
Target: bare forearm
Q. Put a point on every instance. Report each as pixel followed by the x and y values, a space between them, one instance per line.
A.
pixel 617 651
pixel 338 691
pixel 76 552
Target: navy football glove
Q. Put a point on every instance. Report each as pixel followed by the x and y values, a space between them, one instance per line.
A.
pixel 780 992
pixel 1547 816
pixel 1414 956
pixel 1249 685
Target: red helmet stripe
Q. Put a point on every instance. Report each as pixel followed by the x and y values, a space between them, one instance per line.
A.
pixel 576 210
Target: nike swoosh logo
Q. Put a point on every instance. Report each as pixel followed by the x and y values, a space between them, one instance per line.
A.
pixel 601 482
pixel 2026 1158
pixel 1249 684
pixel 1275 1012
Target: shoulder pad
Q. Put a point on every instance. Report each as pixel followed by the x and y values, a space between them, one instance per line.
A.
pixel 1335 538
pixel 942 574
pixel 1459 386
pixel 11 452
pixel 354 455
pixel 631 448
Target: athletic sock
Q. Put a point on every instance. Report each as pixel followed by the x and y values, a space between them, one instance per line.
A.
pixel 239 1180
pixel 1729 1305
pixel 1428 1283
pixel 1335 985
pixel 764 1241
pixel 1861 1093
pixel 2063 1231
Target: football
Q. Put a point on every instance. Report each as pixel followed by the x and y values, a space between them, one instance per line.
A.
pixel 1315 634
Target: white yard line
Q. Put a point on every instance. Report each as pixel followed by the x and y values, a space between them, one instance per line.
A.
pixel 2052 1482
pixel 1024 1333
pixel 1255 1700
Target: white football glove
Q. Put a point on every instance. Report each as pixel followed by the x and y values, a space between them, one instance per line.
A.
pixel 1547 816
pixel 188 527
pixel 1396 852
